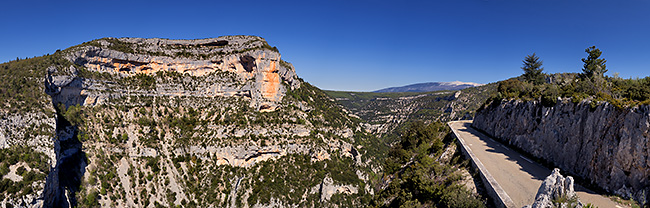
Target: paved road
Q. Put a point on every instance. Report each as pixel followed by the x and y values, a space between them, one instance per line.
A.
pixel 519 176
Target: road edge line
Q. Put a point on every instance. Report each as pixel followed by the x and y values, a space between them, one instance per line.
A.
pixel 494 189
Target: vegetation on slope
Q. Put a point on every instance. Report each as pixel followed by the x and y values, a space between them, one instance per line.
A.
pixel 590 84
pixel 21 88
pixel 25 165
pixel 418 176
pixel 25 116
pixel 414 173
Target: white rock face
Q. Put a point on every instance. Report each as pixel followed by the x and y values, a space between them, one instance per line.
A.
pixel 327 188
pixel 556 188
pixel 608 146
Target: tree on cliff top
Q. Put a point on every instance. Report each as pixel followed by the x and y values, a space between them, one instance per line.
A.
pixel 594 66
pixel 533 69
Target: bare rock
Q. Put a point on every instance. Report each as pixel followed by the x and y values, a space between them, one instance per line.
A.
pixel 257 71
pixel 556 191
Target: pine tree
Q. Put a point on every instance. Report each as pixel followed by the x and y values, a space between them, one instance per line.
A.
pixel 594 66
pixel 533 69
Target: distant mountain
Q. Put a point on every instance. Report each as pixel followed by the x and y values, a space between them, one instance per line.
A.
pixel 431 86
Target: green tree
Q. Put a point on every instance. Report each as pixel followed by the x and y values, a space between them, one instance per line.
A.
pixel 594 66
pixel 533 69
pixel 74 114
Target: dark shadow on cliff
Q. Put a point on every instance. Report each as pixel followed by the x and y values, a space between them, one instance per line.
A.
pixel 64 180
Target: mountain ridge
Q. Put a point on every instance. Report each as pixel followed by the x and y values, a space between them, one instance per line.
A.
pixel 431 86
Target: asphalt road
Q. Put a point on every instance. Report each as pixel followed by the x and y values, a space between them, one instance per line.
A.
pixel 519 176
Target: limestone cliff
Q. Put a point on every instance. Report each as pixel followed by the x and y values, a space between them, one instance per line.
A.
pixel 607 146
pixel 219 122
pixel 252 62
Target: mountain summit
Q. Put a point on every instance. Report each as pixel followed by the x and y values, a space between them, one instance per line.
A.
pixel 431 86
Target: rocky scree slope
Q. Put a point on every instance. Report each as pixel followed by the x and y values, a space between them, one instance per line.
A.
pixel 219 122
pixel 606 145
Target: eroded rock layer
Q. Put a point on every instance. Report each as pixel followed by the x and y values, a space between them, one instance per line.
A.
pixel 253 63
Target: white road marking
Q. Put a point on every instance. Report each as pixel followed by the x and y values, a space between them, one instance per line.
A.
pixel 525 158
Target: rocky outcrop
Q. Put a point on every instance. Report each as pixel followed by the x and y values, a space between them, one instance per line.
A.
pixel 327 188
pixel 556 191
pixel 246 57
pixel 607 146
pixel 249 156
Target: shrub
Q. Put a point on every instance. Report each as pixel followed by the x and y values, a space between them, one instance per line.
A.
pixel 418 177
pixel 549 98
pixel 91 199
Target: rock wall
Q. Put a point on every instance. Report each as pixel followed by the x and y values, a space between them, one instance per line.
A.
pixel 605 145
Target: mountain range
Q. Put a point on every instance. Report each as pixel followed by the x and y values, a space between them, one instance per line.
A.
pixel 431 86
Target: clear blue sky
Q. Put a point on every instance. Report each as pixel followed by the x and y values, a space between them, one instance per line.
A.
pixel 361 45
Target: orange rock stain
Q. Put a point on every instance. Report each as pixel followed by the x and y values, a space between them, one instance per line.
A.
pixel 271 82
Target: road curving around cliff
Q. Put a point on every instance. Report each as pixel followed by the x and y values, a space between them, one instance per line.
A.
pixel 518 176
pixel 596 141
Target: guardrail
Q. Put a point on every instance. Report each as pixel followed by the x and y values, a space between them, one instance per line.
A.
pixel 493 188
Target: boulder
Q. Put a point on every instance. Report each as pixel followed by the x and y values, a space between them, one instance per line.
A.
pixel 556 191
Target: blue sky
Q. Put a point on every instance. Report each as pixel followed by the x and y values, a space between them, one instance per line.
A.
pixel 361 45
